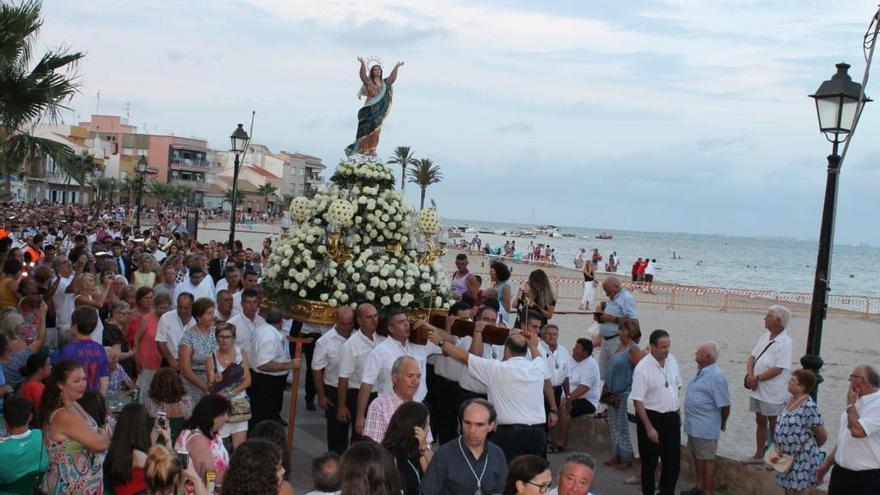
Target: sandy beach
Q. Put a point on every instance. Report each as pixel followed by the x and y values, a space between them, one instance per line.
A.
pixel 848 339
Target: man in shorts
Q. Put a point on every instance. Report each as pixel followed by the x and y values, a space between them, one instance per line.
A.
pixel 706 408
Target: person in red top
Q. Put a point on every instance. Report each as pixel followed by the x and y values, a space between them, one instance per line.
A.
pixel 145 348
pixel 37 368
pixel 127 454
pixel 640 270
pixel 635 270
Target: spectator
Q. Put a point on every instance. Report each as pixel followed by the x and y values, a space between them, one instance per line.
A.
pixel 528 475
pixel 200 437
pixel 706 408
pixel 325 474
pixel 37 369
pixel 502 288
pixel 856 457
pixel 616 391
pixel 538 292
pixel 368 468
pixel 167 394
pixel 22 452
pixel 406 440
pixel 17 351
pixel 196 346
pixel 145 276
pixel 800 431
pixel 229 375
pixel 87 294
pixel 405 378
pixel 576 474
pixel 619 307
pixel 454 468
pixel 87 352
pixel 72 437
pixel 168 283
pixel 164 474
pixel 119 380
pixel 9 283
pixel 767 371
pixel 148 357
pixel 172 326
pixel 119 318
pixel 274 432
pixel 585 389
pixel 127 454
pixel 256 469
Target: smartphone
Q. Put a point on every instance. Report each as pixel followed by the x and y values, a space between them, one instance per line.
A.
pixel 162 420
pixel 183 457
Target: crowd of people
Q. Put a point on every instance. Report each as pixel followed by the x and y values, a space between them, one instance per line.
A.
pixel 140 362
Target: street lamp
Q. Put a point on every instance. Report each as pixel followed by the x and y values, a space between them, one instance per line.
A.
pixel 839 103
pixel 239 140
pixel 142 172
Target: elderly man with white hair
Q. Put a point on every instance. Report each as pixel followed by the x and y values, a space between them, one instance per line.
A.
pixel 767 373
pixel 706 408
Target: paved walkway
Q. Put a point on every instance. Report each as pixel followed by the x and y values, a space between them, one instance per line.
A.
pixel 309 442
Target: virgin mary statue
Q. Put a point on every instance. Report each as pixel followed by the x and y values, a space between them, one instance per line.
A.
pixel 378 92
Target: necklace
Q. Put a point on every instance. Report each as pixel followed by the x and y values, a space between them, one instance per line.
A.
pixel 797 403
pixel 418 477
pixel 478 478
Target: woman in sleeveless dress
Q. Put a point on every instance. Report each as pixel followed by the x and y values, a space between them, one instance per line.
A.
pixel 616 393
pixel 233 389
pixel 72 437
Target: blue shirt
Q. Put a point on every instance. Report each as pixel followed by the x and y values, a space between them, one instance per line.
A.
pixel 707 393
pixel 93 358
pixel 622 304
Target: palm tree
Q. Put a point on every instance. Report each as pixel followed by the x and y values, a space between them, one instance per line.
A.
pixel 164 193
pixel 227 197
pixel 424 173
pixel 30 92
pixel 404 156
pixel 267 189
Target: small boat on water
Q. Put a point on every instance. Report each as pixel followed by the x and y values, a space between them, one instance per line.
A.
pixel 555 234
pixel 499 232
pixel 604 236
pixel 546 229
pixel 567 235
pixel 484 230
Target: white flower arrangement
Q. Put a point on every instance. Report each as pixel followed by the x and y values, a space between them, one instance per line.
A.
pixel 429 221
pixel 300 209
pixel 381 265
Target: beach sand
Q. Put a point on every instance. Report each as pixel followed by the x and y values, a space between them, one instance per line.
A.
pixel 848 339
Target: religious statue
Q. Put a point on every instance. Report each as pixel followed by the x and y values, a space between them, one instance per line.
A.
pixel 378 92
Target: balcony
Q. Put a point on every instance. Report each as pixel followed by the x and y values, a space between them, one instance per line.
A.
pixel 315 179
pixel 198 185
pixel 189 164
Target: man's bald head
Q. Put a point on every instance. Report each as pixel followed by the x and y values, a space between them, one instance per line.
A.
pixel 611 285
pixel 344 321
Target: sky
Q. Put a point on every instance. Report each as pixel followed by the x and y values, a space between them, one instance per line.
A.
pixel 658 115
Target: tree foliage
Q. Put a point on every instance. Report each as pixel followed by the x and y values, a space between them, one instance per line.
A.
pixel 424 173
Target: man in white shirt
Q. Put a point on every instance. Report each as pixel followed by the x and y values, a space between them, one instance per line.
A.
pixel 767 371
pixel 168 284
pixel 443 390
pixel 558 363
pixel 377 370
pixel 172 326
pixel 576 474
pixel 856 457
pixel 325 376
pixel 247 322
pixel 468 386
pixel 655 387
pixel 231 281
pixel 62 300
pixel 351 365
pixel 583 381
pixel 197 284
pixel 516 388
pixel 270 363
pixel 248 281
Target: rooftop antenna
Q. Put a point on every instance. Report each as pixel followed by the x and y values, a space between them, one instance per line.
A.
pixel 127 113
pixel 98 104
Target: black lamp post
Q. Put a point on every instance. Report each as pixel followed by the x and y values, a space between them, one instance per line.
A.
pixel 239 139
pixel 142 172
pixel 839 103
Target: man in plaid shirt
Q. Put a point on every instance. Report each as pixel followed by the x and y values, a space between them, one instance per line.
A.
pixel 405 378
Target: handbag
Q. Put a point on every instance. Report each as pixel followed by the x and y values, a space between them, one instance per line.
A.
pixel 783 464
pixel 609 398
pixel 240 409
pixel 745 378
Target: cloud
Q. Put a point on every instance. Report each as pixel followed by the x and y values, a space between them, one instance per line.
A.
pixel 516 128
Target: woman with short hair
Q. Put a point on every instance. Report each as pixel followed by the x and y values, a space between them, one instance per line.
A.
pixel 528 475
pixel 800 431
pixel 196 346
pixel 229 375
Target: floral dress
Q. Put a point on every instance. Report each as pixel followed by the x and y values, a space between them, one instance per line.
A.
pixel 218 450
pixel 202 347
pixel 72 467
pixel 794 436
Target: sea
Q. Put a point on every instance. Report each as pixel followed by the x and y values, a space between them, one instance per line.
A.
pixel 786 265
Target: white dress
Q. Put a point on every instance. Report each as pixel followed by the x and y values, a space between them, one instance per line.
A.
pixel 229 428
